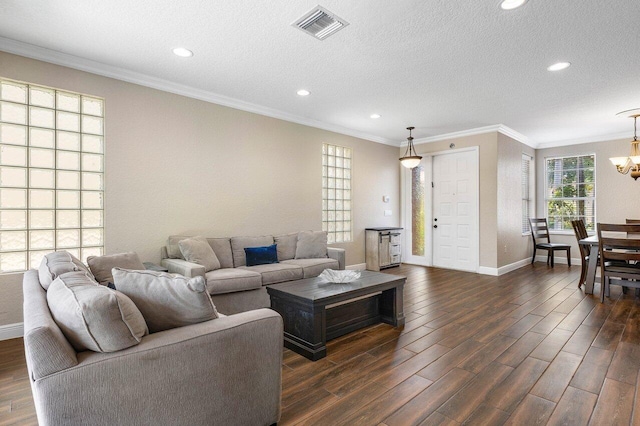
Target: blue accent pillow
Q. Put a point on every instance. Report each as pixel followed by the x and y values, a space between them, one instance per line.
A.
pixel 261 255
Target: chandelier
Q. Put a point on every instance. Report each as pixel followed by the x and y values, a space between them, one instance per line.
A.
pixel 410 159
pixel 631 163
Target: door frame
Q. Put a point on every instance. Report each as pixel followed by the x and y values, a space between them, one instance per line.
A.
pixel 405 217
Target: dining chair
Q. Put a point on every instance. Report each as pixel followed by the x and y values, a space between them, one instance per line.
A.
pixel 541 240
pixel 620 256
pixel 581 232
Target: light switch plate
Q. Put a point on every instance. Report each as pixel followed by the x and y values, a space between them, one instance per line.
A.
pixel 387 212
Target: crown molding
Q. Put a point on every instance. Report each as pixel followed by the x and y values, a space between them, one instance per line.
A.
pixel 94 67
pixel 594 139
pixel 496 128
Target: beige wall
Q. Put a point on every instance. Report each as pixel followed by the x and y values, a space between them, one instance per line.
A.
pixel 488 153
pixel 617 196
pixel 176 165
pixel 512 245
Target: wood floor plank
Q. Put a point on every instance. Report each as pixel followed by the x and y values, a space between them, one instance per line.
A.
pixel 581 340
pixel 508 394
pixel 450 360
pixel 551 345
pixel 425 403
pixel 533 411
pixel 609 336
pixel 555 379
pixel 384 405
pixel 591 373
pixel 486 415
pixel 550 321
pixel 483 357
pixel 574 407
pixel 520 350
pixel 624 366
pixel 615 404
pixel 462 404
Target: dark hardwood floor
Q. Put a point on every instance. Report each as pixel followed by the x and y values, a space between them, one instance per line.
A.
pixel 525 348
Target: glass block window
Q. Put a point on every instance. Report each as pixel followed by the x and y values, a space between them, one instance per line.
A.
pixel 51 174
pixel 570 192
pixel 336 193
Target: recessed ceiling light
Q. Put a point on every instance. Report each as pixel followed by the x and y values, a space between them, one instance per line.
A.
pixel 303 92
pixel 375 116
pixel 182 52
pixel 512 4
pixel 558 66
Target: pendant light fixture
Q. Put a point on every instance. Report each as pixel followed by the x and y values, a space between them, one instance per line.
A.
pixel 410 159
pixel 631 163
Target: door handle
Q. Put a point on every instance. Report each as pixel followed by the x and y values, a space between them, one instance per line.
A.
pixel 435 226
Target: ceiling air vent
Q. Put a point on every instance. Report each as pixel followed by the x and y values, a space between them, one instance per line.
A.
pixel 320 23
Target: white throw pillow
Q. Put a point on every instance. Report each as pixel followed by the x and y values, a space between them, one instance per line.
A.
pixel 94 317
pixel 197 250
pixel 57 263
pixel 166 300
pixel 311 245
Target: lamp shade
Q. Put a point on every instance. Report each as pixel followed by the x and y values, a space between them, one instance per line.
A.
pixel 618 161
pixel 410 162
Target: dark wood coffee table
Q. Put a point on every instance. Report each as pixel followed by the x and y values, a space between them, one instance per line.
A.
pixel 315 311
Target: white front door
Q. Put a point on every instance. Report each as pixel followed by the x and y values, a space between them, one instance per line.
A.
pixel 455 210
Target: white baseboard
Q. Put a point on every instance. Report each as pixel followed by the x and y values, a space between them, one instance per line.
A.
pixel 357 267
pixel 496 272
pixel 11 331
pixel 561 260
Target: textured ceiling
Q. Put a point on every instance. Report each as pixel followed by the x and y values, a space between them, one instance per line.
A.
pixel 441 66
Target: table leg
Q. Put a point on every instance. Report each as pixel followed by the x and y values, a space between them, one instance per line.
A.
pixel 392 306
pixel 591 271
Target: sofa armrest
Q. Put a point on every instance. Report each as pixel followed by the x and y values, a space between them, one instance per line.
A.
pixel 226 371
pixel 337 254
pixel 182 267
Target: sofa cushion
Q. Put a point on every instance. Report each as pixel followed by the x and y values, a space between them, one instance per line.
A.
pixel 238 245
pixel 311 245
pixel 261 255
pixel 94 317
pixel 173 249
pixel 222 249
pixel 286 245
pixel 197 250
pixel 165 300
pixel 230 280
pixel 313 267
pixel 57 263
pixel 101 266
pixel 276 272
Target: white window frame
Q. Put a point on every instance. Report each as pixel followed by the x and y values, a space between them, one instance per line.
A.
pixel 548 198
pixel 337 193
pixel 52 182
pixel 527 176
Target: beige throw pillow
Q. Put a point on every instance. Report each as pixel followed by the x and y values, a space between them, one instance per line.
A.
pixel 166 300
pixel 286 245
pixel 197 250
pixel 101 266
pixel 57 263
pixel 94 317
pixel 311 245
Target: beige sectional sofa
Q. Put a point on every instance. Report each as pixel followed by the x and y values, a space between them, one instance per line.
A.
pixel 235 287
pixel 223 371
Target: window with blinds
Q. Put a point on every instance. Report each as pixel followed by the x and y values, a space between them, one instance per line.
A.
pixel 527 191
pixel 336 193
pixel 570 191
pixel 51 174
